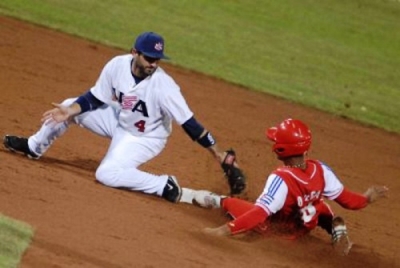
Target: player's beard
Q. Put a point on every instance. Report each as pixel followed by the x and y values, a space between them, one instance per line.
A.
pixel 143 71
pixel 149 70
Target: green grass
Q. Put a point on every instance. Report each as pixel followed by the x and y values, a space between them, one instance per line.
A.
pixel 336 55
pixel 15 237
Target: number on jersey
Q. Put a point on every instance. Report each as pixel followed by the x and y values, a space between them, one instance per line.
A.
pixel 140 125
pixel 308 213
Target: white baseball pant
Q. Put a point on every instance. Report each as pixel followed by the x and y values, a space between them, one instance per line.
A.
pixel 119 167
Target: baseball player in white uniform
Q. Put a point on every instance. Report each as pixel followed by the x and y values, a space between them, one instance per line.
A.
pixel 133 102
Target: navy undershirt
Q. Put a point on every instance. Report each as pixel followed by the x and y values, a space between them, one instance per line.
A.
pixel 193 128
pixel 88 102
pixel 137 79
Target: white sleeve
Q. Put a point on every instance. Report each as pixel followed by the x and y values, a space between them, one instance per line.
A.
pixel 174 104
pixel 103 89
pixel 274 195
pixel 333 186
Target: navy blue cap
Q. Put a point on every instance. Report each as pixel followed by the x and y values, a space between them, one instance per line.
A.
pixel 151 45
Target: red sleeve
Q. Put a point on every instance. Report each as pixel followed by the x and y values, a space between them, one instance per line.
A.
pixel 351 200
pixel 248 220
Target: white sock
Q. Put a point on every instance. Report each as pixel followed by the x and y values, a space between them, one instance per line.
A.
pixel 187 195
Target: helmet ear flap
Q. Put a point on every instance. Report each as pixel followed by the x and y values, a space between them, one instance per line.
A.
pixel 279 150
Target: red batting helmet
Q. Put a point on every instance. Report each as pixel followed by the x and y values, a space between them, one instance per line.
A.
pixel 291 137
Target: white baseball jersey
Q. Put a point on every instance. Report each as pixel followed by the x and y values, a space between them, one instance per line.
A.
pixel 138 127
pixel 146 108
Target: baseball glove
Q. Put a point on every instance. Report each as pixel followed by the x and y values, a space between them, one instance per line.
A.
pixel 236 179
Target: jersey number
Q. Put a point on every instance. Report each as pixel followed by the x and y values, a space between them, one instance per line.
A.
pixel 140 125
pixel 308 212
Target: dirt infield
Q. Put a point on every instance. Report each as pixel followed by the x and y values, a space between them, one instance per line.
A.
pixel 80 223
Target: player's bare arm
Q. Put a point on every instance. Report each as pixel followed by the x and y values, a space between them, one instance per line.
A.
pixel 214 149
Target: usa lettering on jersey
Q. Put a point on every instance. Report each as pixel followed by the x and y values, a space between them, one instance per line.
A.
pixel 134 104
pixel 127 102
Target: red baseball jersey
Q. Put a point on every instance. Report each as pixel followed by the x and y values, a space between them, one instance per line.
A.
pixel 292 193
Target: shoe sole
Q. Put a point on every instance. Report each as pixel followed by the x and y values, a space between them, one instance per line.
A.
pixel 8 147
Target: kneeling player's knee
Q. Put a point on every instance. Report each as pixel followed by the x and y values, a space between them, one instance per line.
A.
pixel 107 175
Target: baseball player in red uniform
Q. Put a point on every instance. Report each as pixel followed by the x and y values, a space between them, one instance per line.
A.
pixel 133 102
pixel 292 202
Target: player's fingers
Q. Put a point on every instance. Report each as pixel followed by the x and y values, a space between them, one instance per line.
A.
pixel 50 112
pixel 47 114
pixel 47 121
pixel 378 192
pixel 382 190
pixel 47 118
pixel 379 189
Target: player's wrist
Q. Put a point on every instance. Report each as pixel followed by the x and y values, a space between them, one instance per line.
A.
pixel 207 140
pixel 369 198
pixel 217 153
pixel 224 230
pixel 73 110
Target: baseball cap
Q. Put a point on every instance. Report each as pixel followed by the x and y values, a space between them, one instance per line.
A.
pixel 151 45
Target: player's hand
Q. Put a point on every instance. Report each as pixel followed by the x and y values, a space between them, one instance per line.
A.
pixel 219 231
pixel 375 192
pixel 60 114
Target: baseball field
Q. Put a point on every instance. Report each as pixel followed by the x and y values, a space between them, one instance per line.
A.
pixel 80 223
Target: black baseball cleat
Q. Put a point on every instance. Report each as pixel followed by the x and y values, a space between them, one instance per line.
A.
pixel 18 144
pixel 172 191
